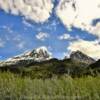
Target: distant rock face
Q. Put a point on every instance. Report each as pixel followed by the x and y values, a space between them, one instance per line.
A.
pixel 79 56
pixel 38 55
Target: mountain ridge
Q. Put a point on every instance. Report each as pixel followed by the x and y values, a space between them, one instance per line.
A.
pixel 48 66
pixel 42 54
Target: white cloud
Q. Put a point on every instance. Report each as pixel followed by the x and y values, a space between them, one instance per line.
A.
pixel 79 13
pixel 42 36
pixel 26 23
pixel 17 38
pixel 19 41
pixel 2 43
pixel 7 28
pixel 21 45
pixel 35 10
pixel 90 48
pixel 65 37
pixel 66 54
pixel 96 30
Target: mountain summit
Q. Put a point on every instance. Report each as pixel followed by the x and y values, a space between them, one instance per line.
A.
pixel 36 55
pixel 81 57
pixel 39 54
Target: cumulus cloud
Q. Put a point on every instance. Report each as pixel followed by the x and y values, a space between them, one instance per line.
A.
pixel 96 30
pixel 79 14
pixel 65 37
pixel 90 48
pixel 35 10
pixel 42 36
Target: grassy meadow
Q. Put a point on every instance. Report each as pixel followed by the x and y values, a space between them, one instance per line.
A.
pixel 15 87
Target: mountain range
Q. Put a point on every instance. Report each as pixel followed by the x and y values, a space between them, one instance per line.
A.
pixel 41 60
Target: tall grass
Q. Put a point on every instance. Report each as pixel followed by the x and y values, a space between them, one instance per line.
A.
pixel 14 87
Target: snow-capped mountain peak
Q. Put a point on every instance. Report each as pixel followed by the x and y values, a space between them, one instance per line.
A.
pixel 38 54
pixel 41 54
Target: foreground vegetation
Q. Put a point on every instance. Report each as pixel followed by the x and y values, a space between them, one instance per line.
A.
pixel 51 80
pixel 15 87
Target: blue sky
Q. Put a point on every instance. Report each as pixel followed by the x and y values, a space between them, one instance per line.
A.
pixel 18 34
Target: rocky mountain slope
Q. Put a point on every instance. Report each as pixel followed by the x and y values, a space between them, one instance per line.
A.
pixel 81 57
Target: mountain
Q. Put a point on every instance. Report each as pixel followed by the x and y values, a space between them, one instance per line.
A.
pixel 48 68
pixel 36 55
pixel 39 63
pixel 40 54
pixel 95 65
pixel 81 57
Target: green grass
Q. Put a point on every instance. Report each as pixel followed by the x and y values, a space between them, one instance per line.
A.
pixel 14 87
